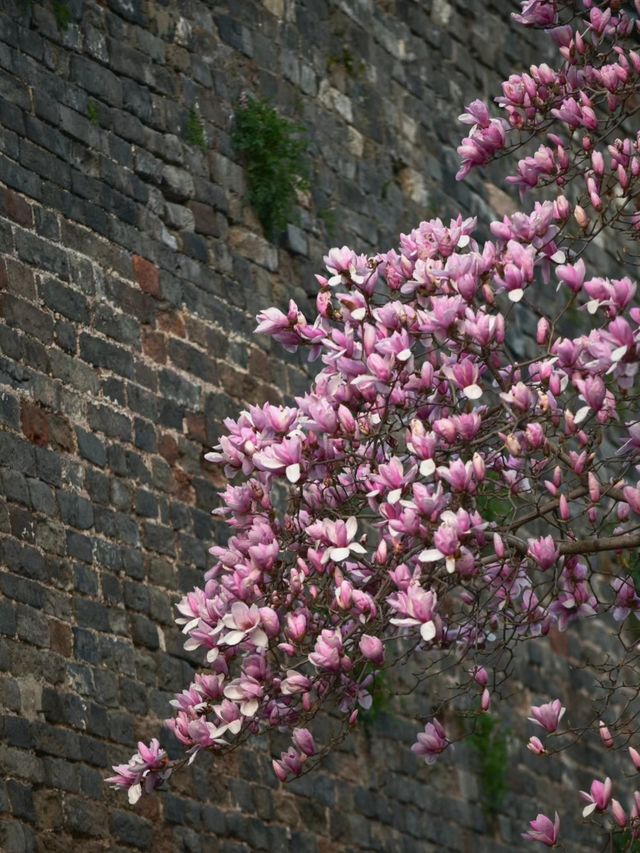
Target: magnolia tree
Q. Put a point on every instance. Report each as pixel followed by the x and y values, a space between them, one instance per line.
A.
pixel 434 497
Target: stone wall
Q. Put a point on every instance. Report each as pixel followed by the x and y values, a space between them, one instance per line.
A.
pixel 131 274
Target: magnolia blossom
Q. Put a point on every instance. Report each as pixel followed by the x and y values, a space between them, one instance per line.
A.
pixel 548 716
pixel 431 743
pixel 544 830
pixel 598 798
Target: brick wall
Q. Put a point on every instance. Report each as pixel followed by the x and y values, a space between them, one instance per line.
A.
pixel 130 277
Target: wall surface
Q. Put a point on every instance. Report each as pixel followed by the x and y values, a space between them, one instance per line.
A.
pixel 131 273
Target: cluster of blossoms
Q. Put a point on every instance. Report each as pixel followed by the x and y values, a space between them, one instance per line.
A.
pixel 432 493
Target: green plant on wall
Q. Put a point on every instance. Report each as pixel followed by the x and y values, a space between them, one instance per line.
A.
pixel 329 217
pixel 273 152
pixel 92 112
pixel 489 742
pixel 194 130
pixel 62 13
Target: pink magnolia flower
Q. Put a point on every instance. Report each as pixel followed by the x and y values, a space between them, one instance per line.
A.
pixel 536 746
pixel 244 623
pixel 416 606
pixel 146 770
pixel 598 798
pixel 543 830
pixel 548 716
pixel 329 651
pixel 544 552
pixel 431 743
pixel 246 690
pixel 303 740
pixel 372 648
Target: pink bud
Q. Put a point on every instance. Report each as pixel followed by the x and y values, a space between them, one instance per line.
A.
pixel 372 648
pixel 542 332
pixel 605 735
pixel 485 700
pixel 563 508
pixel 480 676
pixel 635 757
pixel 279 770
pixel 580 216
pixel 536 746
pixel 618 813
pixel 303 740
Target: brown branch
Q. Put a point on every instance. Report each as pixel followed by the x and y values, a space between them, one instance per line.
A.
pixel 605 543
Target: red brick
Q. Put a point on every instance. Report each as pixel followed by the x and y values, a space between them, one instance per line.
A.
pixel 18 209
pixel 147 275
pixel 35 423
pixel 154 345
pixel 183 490
pixel 172 323
pixel 60 638
pixel 196 427
pixel 168 448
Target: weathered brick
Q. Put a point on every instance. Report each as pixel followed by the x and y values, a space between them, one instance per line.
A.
pixel 64 300
pixel 75 510
pixel 104 354
pixel 147 275
pixel 18 312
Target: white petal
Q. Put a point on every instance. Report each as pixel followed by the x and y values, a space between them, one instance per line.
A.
pixel 293 472
pixel 357 548
pixel 267 462
pixel 516 295
pixel 234 637
pixel 232 691
pixel 592 306
pixel 352 526
pixel 259 637
pixel 559 257
pixel 403 623
pixel 249 708
pixel 134 793
pixel 587 810
pixel 430 555
pixel 427 467
pixel 463 241
pixel 212 655
pixel 394 496
pixel 338 554
pixel 617 354
pixel 404 355
pixel 472 392
pixel 450 564
pixel 427 631
pixel 581 414
pixel 235 726
pixel 359 313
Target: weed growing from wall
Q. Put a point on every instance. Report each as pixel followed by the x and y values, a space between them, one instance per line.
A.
pixel 273 152
pixel 92 112
pixel 490 745
pixel 194 130
pixel 62 13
